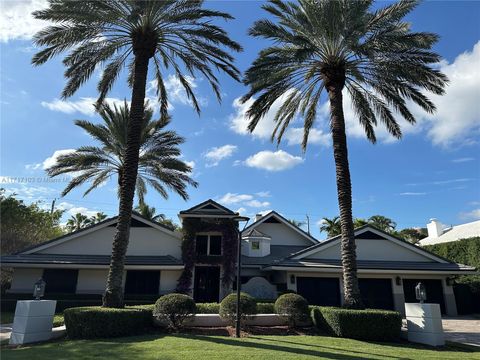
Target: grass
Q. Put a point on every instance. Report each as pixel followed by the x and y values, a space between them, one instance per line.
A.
pixel 7 318
pixel 196 347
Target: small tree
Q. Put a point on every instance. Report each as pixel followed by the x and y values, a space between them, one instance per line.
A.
pixel 292 307
pixel 228 308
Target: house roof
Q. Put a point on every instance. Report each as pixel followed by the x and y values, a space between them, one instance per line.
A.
pixel 374 265
pixel 277 253
pixel 255 233
pixel 282 220
pixel 136 217
pixel 55 259
pixel 457 232
pixel 208 208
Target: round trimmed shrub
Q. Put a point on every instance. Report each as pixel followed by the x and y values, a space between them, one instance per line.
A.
pixel 98 322
pixel 228 308
pixel 175 309
pixel 292 307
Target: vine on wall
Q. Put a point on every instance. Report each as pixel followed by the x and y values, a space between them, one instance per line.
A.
pixel 229 230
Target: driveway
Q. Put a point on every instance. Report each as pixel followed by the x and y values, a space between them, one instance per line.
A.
pixel 461 329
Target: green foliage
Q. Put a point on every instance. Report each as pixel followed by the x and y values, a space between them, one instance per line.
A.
pixel 228 307
pixel 413 235
pixel 149 212
pixel 369 324
pixel 465 251
pixel 331 226
pixel 98 322
pixel 208 308
pixel 293 307
pixel 265 308
pixel 383 223
pixel 175 309
pixel 159 165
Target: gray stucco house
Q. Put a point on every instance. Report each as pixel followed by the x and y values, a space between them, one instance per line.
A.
pixel 277 256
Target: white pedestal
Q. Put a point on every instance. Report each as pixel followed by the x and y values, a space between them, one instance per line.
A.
pixel 424 322
pixel 33 321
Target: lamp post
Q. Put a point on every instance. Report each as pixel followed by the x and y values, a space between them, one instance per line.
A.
pixel 239 266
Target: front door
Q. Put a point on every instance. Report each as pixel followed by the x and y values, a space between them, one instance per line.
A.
pixel 206 284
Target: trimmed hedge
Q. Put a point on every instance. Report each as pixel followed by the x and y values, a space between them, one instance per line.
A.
pixel 369 324
pixel 175 309
pixel 292 307
pixel 98 322
pixel 265 308
pixel 208 308
pixel 228 307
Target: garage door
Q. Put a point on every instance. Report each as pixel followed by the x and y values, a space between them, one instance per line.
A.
pixel 376 293
pixel 319 291
pixel 434 291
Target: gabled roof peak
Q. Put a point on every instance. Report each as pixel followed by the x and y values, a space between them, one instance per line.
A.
pixel 208 207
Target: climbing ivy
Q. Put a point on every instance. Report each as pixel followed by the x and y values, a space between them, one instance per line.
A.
pixel 229 230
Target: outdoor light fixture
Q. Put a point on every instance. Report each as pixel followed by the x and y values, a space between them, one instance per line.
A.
pixel 39 289
pixel 292 279
pixel 398 281
pixel 421 292
pixel 239 266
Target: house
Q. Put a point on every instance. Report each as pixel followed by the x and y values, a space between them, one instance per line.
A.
pixel 439 233
pixel 276 257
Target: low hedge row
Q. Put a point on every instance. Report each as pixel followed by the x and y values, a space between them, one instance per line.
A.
pixel 369 324
pixel 98 322
pixel 214 308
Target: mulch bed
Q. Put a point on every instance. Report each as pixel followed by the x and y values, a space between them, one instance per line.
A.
pixel 251 330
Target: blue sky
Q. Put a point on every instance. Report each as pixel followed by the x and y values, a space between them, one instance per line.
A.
pixel 434 171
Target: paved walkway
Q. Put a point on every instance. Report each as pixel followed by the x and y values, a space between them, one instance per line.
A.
pixel 461 329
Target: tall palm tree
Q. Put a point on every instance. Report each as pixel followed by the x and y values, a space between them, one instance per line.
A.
pixel 77 222
pixel 331 46
pixel 149 212
pixel 158 163
pixel 357 222
pixel 98 217
pixel 171 34
pixel 331 226
pixel 382 222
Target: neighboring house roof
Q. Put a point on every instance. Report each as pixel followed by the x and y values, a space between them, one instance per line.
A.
pixel 281 219
pixel 454 233
pixel 335 264
pixel 136 218
pixel 208 208
pixel 254 233
pixel 277 253
pixel 54 259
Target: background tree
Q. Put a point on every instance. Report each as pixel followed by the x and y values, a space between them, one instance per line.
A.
pixel 98 217
pixel 413 235
pixel 331 226
pixel 336 46
pixel 120 33
pixel 383 223
pixel 296 223
pixel 149 212
pixel 77 222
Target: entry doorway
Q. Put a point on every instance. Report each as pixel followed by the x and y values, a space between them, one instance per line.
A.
pixel 206 284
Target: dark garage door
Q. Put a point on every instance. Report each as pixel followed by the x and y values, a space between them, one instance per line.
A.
pixel 434 291
pixel 376 293
pixel 319 291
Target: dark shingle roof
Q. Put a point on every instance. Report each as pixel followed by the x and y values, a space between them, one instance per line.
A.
pixel 376 264
pixel 86 259
pixel 277 252
pixel 255 233
pixel 216 209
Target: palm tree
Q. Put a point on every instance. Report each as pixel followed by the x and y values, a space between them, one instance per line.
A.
pixel 331 46
pixel 382 223
pixel 357 222
pixel 296 223
pixel 149 212
pixel 77 222
pixel 331 226
pixel 98 217
pixel 158 164
pixel 172 34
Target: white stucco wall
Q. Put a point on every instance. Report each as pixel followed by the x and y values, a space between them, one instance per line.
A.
pixel 143 241
pixel 24 279
pixel 373 250
pixel 91 281
pixel 283 235
pixel 168 280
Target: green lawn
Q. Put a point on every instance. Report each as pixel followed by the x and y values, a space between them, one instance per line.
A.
pixel 196 347
pixel 7 318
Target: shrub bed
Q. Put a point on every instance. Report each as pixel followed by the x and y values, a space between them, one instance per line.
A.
pixel 97 322
pixel 208 308
pixel 292 307
pixel 265 308
pixel 369 324
pixel 228 307
pixel 174 309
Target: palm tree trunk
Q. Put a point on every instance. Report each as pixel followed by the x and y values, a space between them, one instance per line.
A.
pixel 352 298
pixel 113 296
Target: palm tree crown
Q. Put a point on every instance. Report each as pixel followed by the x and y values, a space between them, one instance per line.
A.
pixel 319 44
pixel 158 167
pixel 331 226
pixel 110 32
pixel 382 222
pixel 77 222
pixel 149 212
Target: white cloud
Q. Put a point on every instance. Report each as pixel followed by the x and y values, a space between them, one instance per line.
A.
pixel 294 136
pixel 462 160
pixel 16 20
pixel 85 105
pixel 191 164
pixel 273 161
pixel 175 91
pixel 52 160
pixel 257 204
pixel 263 194
pixel 231 198
pixel 413 193
pixel 471 215
pixel 217 154
pixel 32 167
pixel 242 211
pixel 71 209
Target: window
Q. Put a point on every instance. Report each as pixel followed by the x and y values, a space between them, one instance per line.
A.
pixel 255 245
pixel 142 282
pixel 209 245
pixel 60 281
